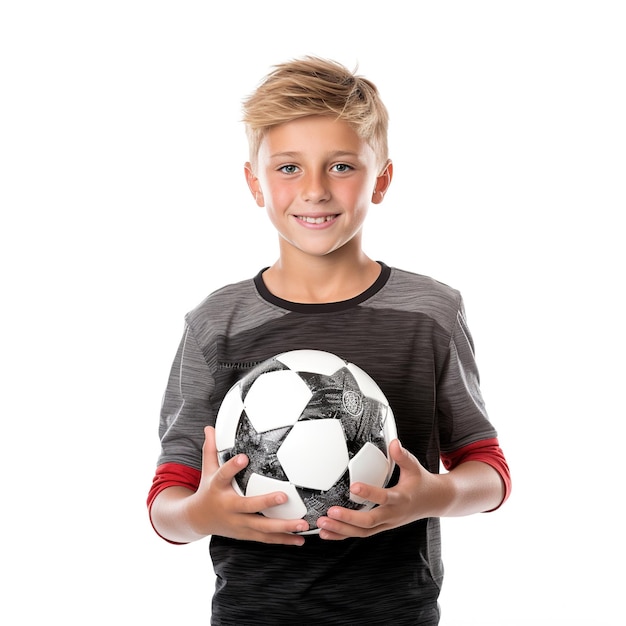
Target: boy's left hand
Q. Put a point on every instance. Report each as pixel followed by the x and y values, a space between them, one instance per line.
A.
pixel 416 495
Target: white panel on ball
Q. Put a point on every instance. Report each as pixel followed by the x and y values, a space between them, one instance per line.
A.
pixel 314 454
pixel 367 384
pixel 370 466
pixel 289 395
pixel 315 361
pixel 226 430
pixel 292 509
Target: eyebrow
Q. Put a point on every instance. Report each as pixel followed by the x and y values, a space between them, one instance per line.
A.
pixel 334 154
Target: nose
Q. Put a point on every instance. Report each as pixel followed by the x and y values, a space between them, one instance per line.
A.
pixel 315 188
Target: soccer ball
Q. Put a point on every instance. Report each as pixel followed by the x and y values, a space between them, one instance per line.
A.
pixel 311 424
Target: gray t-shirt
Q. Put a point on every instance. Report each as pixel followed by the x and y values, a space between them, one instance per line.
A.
pixel 409 333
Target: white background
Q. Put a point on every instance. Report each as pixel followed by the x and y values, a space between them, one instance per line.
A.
pixel 124 204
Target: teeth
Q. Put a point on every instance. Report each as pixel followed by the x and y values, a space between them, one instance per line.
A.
pixel 315 220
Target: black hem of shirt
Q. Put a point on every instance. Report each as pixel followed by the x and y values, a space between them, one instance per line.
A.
pixel 325 307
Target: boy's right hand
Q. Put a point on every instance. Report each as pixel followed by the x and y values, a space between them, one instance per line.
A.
pixel 217 509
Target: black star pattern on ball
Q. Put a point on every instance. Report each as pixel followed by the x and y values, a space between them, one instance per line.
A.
pixel 261 449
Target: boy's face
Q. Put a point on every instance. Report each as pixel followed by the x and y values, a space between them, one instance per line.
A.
pixel 317 178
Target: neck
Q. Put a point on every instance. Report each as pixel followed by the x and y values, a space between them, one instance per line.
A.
pixel 319 280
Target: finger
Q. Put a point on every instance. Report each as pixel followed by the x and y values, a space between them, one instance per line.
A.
pixel 272 522
pixel 269 530
pixel 337 516
pixel 268 521
pixel 256 504
pixel 371 493
pixel 287 538
pixel 335 528
pixel 328 535
pixel 280 526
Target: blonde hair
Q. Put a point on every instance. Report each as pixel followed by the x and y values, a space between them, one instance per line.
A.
pixel 315 86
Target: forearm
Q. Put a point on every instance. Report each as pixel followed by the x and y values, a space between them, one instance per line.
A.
pixel 170 515
pixel 471 487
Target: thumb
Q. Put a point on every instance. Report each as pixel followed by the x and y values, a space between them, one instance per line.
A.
pixel 209 451
pixel 402 457
pixel 210 463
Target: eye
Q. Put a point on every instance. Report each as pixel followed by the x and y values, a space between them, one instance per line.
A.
pixel 342 167
pixel 288 169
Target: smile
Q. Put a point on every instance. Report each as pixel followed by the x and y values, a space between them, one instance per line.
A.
pixel 316 220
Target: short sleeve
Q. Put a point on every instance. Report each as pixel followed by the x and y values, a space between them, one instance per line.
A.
pixel 185 408
pixel 462 415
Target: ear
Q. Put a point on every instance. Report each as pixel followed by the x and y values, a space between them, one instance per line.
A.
pixel 254 185
pixel 383 180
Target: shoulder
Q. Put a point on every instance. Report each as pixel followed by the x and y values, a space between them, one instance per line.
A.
pixel 425 285
pixel 235 293
pixel 417 293
pixel 229 310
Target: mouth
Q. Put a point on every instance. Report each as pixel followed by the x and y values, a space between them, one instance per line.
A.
pixel 308 219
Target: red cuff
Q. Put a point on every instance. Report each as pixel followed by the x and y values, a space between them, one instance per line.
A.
pixel 172 475
pixel 487 451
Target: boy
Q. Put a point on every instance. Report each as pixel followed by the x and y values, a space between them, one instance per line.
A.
pixel 318 159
